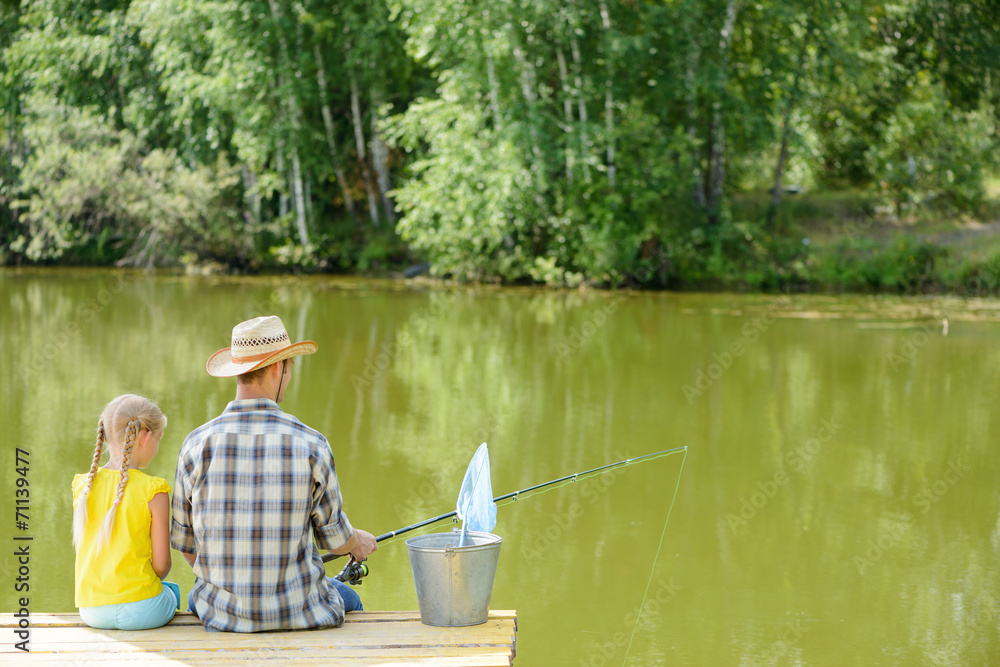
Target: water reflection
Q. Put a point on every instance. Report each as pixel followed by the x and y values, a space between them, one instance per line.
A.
pixel 838 505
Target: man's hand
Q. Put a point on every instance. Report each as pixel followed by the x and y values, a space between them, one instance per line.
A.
pixel 366 544
pixel 359 545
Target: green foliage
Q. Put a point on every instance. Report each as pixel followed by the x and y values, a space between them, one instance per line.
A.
pixel 813 209
pixel 977 277
pixel 736 255
pixel 72 185
pixel 88 183
pixel 653 194
pixel 467 201
pixel 933 154
pixel 903 265
pixel 604 143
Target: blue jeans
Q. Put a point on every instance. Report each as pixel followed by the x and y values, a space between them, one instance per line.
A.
pixel 140 615
pixel 352 601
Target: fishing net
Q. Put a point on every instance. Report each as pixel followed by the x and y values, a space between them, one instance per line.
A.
pixel 475 505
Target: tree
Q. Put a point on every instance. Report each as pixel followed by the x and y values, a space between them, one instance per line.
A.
pixel 12 147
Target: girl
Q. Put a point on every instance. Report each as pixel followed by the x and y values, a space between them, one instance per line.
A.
pixel 120 560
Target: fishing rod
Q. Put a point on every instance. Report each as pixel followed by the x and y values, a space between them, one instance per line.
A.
pixel 351 575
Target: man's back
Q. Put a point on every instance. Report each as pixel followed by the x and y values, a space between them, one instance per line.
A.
pixel 253 487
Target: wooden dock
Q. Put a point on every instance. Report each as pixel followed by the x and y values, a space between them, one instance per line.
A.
pixel 367 637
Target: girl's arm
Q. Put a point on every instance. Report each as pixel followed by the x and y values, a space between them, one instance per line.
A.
pixel 159 509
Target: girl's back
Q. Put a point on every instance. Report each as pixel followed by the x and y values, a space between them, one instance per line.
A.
pixel 122 570
pixel 120 524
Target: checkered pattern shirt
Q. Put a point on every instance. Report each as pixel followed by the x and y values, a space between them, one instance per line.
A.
pixel 254 486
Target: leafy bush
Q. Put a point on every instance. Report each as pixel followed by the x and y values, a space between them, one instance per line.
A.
pixel 933 155
pixel 87 185
pixel 735 255
pixel 620 232
pixel 467 203
pixel 980 277
pixel 905 265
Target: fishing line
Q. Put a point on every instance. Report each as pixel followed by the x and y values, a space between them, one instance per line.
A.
pixel 655 558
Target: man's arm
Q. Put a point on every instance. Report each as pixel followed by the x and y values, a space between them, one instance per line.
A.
pixel 181 533
pixel 330 524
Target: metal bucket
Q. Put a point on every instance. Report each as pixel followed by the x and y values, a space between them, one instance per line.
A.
pixel 454 584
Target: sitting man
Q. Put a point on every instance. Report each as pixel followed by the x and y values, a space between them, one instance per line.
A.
pixel 254 487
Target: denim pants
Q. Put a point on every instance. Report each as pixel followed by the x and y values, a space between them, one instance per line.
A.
pixel 352 601
pixel 140 615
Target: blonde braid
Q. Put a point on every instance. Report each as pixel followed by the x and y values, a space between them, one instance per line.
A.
pixel 80 512
pixel 107 526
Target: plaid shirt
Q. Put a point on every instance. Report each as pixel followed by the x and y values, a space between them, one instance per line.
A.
pixel 254 486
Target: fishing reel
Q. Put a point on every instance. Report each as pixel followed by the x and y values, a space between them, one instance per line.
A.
pixel 353 573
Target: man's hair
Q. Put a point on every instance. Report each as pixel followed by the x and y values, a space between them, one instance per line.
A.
pixel 254 376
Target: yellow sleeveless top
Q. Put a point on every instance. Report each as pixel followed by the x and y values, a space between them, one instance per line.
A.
pixel 123 571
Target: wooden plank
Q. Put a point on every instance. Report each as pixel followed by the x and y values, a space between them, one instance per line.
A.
pixel 196 635
pixel 73 620
pixel 498 660
pixel 385 626
pixel 259 655
pixel 188 652
pixel 166 648
pixel 187 618
pixel 378 637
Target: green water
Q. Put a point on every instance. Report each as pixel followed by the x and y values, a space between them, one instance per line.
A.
pixel 839 498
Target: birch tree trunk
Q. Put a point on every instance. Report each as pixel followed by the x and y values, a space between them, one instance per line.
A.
pixel 282 196
pixel 609 108
pixel 567 111
pixel 252 197
pixel 292 106
pixel 581 106
pixel 717 173
pixel 380 158
pixel 528 91
pixel 331 142
pixel 13 149
pixel 691 92
pixel 300 203
pixel 494 92
pixel 192 163
pixel 300 190
pixel 310 216
pixel 359 141
pixel 786 122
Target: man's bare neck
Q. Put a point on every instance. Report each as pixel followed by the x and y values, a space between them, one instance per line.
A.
pixel 252 391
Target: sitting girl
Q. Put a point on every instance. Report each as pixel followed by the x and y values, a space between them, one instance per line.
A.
pixel 121 523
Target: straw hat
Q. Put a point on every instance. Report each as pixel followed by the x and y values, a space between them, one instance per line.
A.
pixel 256 343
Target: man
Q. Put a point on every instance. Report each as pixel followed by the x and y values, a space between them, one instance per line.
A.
pixel 254 487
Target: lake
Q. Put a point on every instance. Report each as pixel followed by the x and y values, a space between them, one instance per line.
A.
pixel 839 497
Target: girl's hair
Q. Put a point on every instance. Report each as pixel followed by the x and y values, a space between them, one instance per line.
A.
pixel 119 425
